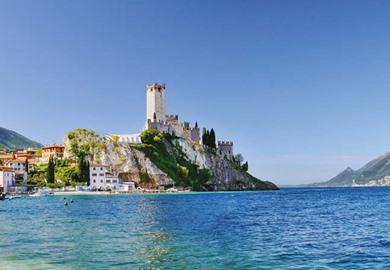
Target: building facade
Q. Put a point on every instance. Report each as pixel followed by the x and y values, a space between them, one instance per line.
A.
pixel 6 179
pixel 55 150
pixel 102 179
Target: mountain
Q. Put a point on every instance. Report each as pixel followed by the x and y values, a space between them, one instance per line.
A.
pixel 343 179
pixel 10 139
pixel 374 173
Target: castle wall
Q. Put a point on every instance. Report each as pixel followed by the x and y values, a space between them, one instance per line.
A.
pixel 172 119
pixel 165 127
pixel 192 134
pixel 225 148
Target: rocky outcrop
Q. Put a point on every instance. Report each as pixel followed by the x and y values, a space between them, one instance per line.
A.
pixel 132 164
pixel 225 176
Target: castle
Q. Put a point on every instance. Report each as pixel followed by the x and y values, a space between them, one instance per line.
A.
pixel 156 118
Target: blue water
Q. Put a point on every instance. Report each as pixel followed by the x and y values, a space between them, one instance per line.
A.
pixel 346 228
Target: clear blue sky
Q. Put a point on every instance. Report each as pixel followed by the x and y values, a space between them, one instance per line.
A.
pixel 301 87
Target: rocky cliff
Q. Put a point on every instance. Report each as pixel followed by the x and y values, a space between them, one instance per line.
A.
pixel 163 160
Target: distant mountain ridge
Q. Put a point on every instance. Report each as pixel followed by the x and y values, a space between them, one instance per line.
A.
pixel 374 173
pixel 10 139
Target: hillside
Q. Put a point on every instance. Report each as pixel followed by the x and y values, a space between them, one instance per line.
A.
pixel 165 160
pixel 343 179
pixel 10 139
pixel 374 173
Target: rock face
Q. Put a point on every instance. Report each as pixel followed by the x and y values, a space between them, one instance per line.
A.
pixel 133 165
pixel 224 175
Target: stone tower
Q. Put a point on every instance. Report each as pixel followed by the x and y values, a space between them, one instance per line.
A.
pixel 155 102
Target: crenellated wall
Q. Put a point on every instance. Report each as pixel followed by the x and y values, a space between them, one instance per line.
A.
pixel 225 148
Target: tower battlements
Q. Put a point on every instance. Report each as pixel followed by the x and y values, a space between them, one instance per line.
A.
pixel 227 143
pixel 173 116
pixel 155 86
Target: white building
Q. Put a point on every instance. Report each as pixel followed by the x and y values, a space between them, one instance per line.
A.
pixel 6 179
pixel 18 166
pixel 102 179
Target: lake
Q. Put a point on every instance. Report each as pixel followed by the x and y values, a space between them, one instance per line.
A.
pixel 294 228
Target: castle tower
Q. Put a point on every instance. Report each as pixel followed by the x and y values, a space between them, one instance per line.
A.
pixel 155 102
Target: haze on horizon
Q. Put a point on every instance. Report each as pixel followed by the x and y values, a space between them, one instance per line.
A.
pixel 301 87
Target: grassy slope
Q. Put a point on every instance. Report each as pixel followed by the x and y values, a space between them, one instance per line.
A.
pixel 10 139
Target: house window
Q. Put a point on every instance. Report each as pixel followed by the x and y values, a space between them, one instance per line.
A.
pixel 94 174
pixel 101 174
pixel 94 168
pixel 94 181
pixel 108 181
pixel 101 169
pixel 114 181
pixel 101 181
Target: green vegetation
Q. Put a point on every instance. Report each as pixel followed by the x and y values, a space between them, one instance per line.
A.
pixel 172 161
pixel 10 139
pixel 51 170
pixel 208 138
pixel 26 165
pixel 83 168
pixel 67 174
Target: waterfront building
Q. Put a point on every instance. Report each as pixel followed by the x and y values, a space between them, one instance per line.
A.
pixel 102 179
pixel 6 179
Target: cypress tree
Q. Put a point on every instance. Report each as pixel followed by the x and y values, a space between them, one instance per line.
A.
pixel 83 166
pixel 50 170
pixel 207 138
pixel 196 124
pixel 204 139
pixel 212 139
pixel 26 165
pixel 245 166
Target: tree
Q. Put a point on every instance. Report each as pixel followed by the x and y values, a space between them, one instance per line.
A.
pixel 196 124
pixel 186 125
pixel 239 159
pixel 50 170
pixel 207 138
pixel 154 116
pixel 245 166
pixel 38 153
pixel 212 139
pixel 26 165
pixel 204 139
pixel 83 166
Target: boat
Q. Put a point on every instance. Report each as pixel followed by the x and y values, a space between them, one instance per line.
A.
pixel 40 192
pixel 2 196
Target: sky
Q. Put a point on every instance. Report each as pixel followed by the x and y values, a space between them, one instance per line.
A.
pixel 301 87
